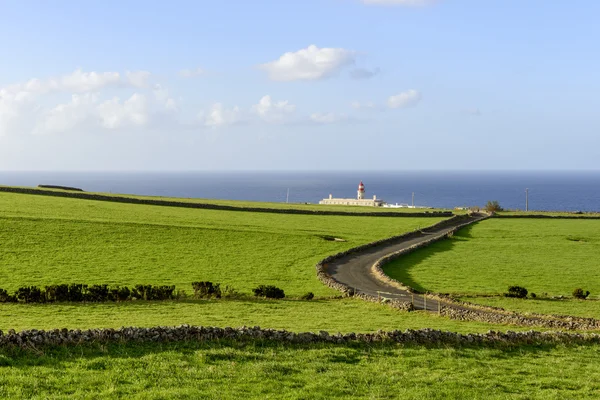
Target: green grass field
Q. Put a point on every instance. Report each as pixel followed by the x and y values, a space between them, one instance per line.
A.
pixel 548 257
pixel 47 240
pixel 274 205
pixel 222 370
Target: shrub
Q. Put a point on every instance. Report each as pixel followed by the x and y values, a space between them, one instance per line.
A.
pixel 206 290
pixel 231 293
pixel 269 291
pixel 516 291
pixel 532 295
pixel 308 296
pixel 6 298
pixel 493 206
pixel 580 294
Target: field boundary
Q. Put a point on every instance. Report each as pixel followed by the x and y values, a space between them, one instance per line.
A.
pixel 547 216
pixel 33 340
pixel 207 206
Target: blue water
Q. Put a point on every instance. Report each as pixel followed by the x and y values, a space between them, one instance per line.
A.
pixel 550 191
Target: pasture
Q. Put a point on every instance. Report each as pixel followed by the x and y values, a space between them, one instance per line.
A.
pixel 548 257
pixel 263 370
pixel 49 240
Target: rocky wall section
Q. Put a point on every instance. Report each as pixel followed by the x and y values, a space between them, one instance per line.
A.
pixel 35 339
pixel 169 203
pixel 537 320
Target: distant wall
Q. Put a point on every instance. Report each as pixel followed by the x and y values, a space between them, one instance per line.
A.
pixel 169 203
pixel 60 188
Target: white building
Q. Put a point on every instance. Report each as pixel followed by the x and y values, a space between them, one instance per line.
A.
pixel 359 201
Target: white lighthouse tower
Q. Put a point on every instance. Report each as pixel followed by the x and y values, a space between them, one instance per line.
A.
pixel 361 191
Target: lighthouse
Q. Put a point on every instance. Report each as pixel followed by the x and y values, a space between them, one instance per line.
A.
pixel 361 191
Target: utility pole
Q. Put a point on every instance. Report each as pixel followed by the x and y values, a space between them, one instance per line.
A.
pixel 413 199
pixel 287 198
pixel 527 199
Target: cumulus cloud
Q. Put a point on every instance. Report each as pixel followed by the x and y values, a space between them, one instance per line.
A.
pixel 328 118
pixel 363 73
pixel 138 79
pixel 410 98
pixel 369 105
pixel 273 112
pixel 86 111
pixel 312 63
pixel 413 3
pixel 80 82
pixel 190 73
pixel 219 116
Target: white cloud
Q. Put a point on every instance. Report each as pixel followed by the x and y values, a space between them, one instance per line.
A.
pixel 85 111
pixel 413 3
pixel 80 82
pixel 327 118
pixel 132 112
pixel 190 73
pixel 364 106
pixel 161 95
pixel 363 73
pixel 219 116
pixel 138 79
pixel 410 98
pixel 312 63
pixel 273 112
pixel 67 116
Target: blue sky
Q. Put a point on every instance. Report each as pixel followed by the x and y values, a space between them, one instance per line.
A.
pixel 299 85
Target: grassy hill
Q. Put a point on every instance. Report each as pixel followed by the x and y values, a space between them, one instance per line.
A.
pixel 548 257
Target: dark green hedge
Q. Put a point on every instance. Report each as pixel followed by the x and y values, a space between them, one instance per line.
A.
pixel 77 292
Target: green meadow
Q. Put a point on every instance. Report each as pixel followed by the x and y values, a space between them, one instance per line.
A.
pixel 548 257
pixel 50 240
pixel 262 370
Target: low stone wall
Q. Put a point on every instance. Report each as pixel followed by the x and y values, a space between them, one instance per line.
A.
pixel 35 339
pixel 538 320
pixel 545 216
pixel 329 281
pixel 74 189
pixel 132 200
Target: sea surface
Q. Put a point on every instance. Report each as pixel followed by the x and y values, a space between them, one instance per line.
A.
pixel 549 191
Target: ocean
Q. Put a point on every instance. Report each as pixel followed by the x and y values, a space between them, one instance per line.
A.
pixel 548 191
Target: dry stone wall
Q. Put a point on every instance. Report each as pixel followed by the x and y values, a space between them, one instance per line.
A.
pixel 35 339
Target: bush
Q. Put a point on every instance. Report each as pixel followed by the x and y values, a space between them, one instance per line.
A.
pixel 493 206
pixel 231 293
pixel 516 291
pixel 269 291
pixel 206 290
pixel 532 295
pixel 308 296
pixel 580 294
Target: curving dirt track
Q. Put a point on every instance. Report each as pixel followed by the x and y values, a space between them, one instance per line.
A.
pixel 354 270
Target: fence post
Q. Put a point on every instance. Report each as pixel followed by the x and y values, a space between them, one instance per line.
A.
pixel 425 301
pixel 439 308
